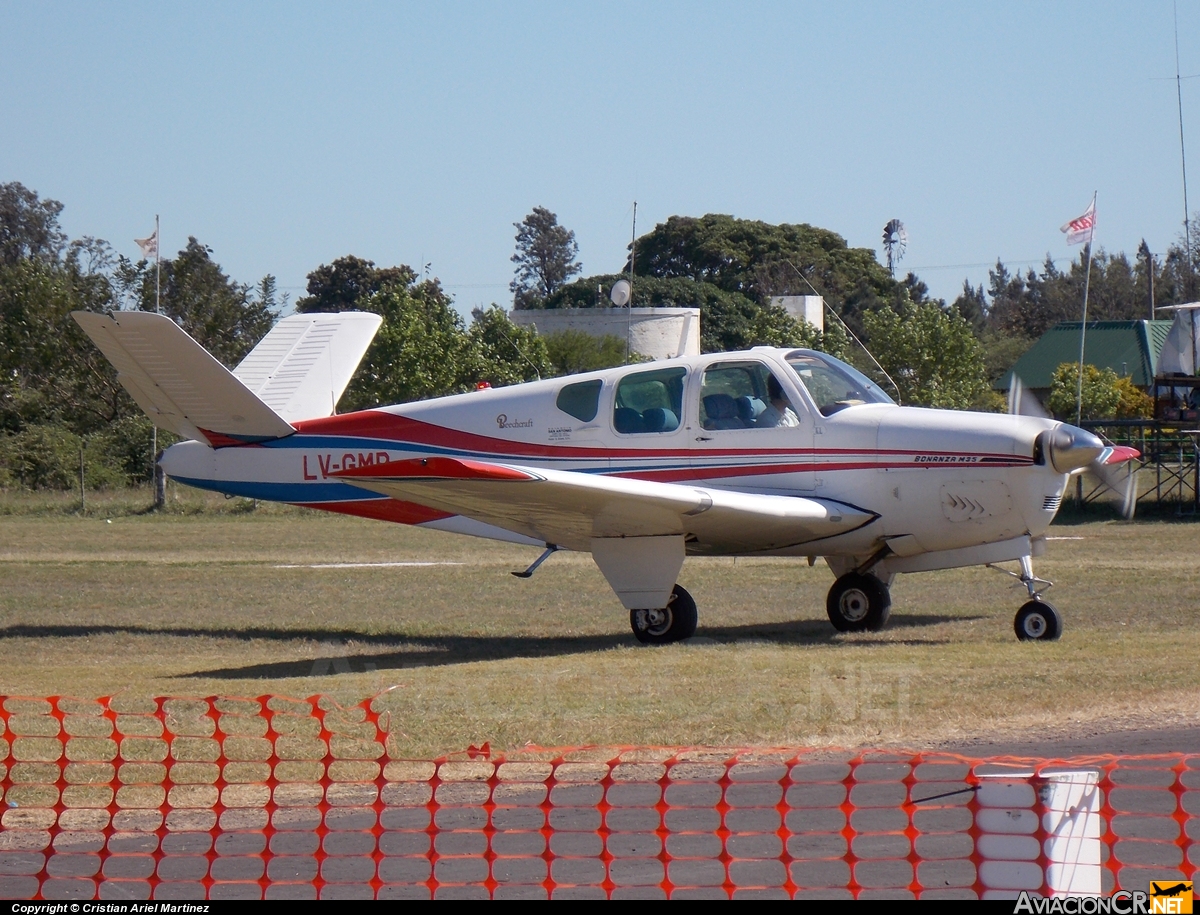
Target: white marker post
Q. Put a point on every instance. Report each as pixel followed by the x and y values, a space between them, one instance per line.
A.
pixel 1039 832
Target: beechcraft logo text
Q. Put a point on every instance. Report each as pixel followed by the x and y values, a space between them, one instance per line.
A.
pixel 1170 897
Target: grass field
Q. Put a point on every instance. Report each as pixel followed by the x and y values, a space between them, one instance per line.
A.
pixel 231 603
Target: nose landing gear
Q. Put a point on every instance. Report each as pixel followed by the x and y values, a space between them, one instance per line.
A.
pixel 1037 620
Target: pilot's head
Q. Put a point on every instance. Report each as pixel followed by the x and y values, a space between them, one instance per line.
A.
pixel 774 389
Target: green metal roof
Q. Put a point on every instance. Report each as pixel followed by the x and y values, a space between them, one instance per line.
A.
pixel 1127 347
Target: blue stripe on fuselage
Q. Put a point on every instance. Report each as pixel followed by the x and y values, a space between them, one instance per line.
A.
pixel 285 492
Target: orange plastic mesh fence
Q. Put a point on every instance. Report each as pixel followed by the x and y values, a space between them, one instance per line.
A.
pixel 283 798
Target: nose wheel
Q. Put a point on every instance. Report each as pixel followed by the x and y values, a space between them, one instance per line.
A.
pixel 672 623
pixel 1037 621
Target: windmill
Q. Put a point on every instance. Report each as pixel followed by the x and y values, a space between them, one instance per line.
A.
pixel 895 240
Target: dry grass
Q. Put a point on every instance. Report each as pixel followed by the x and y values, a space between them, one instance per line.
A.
pixel 184 604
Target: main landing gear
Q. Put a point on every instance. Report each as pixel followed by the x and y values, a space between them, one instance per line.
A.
pixel 858 602
pixel 673 623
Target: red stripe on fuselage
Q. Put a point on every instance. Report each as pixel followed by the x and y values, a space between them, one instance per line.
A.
pixel 379 424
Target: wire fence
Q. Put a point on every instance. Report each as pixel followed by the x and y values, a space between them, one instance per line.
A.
pixel 224 798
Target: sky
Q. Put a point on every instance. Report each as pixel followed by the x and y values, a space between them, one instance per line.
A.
pixel 285 135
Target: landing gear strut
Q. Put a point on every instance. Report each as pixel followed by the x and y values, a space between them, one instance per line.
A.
pixel 673 623
pixel 1037 620
pixel 858 602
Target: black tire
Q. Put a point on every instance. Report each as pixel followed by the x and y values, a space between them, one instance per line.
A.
pixel 1037 621
pixel 673 623
pixel 858 603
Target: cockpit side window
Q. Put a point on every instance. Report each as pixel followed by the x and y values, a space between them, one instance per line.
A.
pixel 581 400
pixel 649 401
pixel 743 395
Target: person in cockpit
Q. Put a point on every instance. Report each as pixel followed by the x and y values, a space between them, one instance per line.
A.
pixel 778 412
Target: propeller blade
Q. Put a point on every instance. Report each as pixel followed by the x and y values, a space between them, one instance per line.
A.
pixel 1021 402
pixel 1117 470
pixel 1115 467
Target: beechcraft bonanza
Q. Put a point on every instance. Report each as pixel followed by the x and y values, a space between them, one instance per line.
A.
pixel 770 452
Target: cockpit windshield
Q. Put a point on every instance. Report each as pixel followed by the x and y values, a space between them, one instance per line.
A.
pixel 833 384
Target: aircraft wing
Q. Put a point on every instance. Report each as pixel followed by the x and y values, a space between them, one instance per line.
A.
pixel 569 508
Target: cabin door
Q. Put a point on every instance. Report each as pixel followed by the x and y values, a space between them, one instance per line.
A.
pixel 749 430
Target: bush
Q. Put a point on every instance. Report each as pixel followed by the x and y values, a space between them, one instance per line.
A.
pixel 1101 396
pixel 41 457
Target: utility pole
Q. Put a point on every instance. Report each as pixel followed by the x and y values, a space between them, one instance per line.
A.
pixel 629 307
pixel 156 472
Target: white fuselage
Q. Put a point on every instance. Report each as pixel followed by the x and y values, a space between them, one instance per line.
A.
pixel 935 481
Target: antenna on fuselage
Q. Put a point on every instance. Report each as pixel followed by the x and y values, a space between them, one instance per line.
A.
pixel 846 327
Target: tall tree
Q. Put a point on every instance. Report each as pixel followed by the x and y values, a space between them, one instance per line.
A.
pixel 545 258
pixel 341 285
pixel 28 225
pixel 760 260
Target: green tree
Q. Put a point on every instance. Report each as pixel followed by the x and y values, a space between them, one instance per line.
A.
pixel 501 352
pixel 1101 392
pixel 50 372
pixel 972 305
pixel 28 226
pixel 1179 281
pixel 419 351
pixel 1134 403
pixel 759 260
pixel 931 354
pixel 545 258
pixel 339 286
pixel 574 351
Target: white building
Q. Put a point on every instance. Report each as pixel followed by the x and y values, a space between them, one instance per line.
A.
pixel 810 308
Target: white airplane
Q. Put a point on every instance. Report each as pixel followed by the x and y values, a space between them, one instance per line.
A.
pixel 770 452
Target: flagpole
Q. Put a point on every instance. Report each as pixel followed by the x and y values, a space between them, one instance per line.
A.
pixel 155 471
pixel 157 268
pixel 1087 280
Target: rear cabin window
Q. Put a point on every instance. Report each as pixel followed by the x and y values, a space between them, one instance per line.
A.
pixel 649 401
pixel 580 400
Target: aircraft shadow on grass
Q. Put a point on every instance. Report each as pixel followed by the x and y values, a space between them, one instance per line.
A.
pixel 438 651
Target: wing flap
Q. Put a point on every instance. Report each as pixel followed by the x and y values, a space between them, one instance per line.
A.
pixel 179 385
pixel 570 508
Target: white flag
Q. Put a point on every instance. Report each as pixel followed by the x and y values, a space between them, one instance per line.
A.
pixel 1081 229
pixel 149 245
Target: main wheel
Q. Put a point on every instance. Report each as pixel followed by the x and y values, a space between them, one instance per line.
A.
pixel 858 603
pixel 1037 621
pixel 673 623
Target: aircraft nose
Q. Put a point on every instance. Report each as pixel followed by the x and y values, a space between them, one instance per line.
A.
pixel 1070 448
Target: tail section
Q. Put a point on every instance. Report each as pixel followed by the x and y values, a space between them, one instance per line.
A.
pixel 177 383
pixel 301 368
